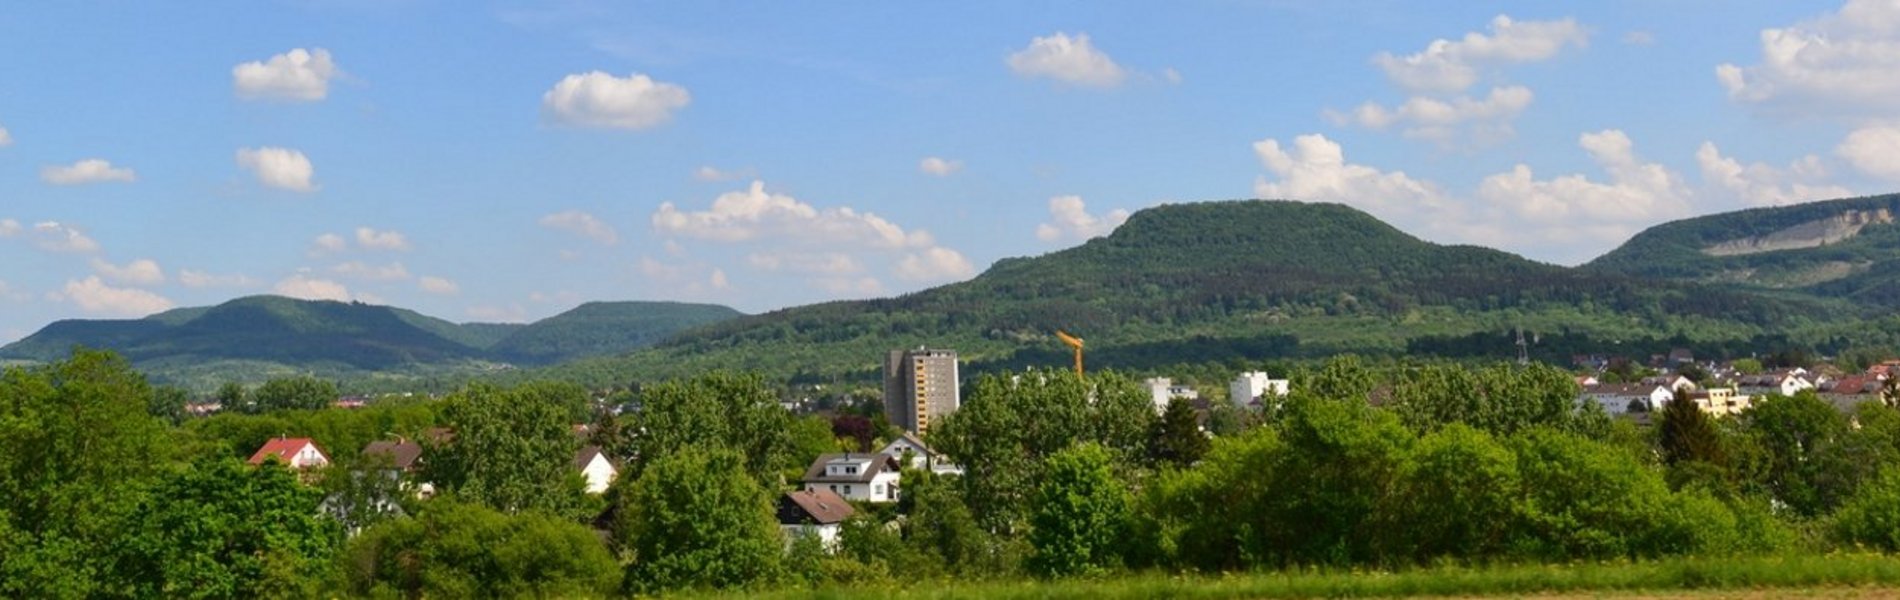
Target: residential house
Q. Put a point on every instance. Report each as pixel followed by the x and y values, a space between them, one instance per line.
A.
pixel 298 453
pixel 816 512
pixel 594 465
pixel 1163 389
pixel 920 456
pixel 1256 385
pixel 1620 398
pixel 1784 382
pixel 855 476
pixel 402 457
pixel 1848 393
pixel 1672 381
pixel 1720 402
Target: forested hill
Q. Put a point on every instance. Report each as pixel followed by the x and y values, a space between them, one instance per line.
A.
pixel 1846 248
pixel 261 336
pixel 1215 281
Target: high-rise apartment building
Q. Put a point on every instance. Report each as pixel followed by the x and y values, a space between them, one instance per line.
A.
pixel 920 386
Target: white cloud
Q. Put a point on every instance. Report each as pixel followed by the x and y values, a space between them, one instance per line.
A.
pixel 1447 121
pixel 583 224
pixel 1637 192
pixel 328 243
pixel 297 75
pixel 935 264
pixel 1840 64
pixel 53 236
pixel 710 173
pixel 6 138
pixel 1758 184
pixel 826 263
pixel 1071 219
pixel 280 168
pixel 201 279
pixel 1070 60
pixel 305 287
pixel 1874 150
pixel 9 228
pixel 359 270
pixel 940 167
pixel 91 170
pixel 718 280
pixel 1315 169
pixel 438 285
pixel 1452 65
pixel 94 296
pixel 754 213
pixel 596 99
pixel 143 271
pixel 371 239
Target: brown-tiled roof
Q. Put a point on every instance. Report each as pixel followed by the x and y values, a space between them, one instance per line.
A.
pixel 813 507
pixel 402 453
pixel 586 455
pixel 282 448
pixel 879 463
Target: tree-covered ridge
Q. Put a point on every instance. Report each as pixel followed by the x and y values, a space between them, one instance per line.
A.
pixel 1217 280
pixel 259 336
pixel 1864 267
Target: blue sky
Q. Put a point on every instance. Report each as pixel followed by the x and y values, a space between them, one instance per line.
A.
pixel 506 161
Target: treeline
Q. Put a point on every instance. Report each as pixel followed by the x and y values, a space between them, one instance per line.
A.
pixel 1387 468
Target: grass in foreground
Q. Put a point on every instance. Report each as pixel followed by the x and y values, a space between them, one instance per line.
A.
pixel 1832 571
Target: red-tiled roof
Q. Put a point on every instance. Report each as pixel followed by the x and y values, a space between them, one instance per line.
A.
pixel 282 448
pixel 817 507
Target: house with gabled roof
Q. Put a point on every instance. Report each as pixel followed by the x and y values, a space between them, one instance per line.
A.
pixel 1620 398
pixel 297 453
pixel 596 467
pixel 855 476
pixel 816 512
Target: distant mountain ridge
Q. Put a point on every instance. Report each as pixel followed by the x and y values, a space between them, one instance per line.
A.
pixel 257 336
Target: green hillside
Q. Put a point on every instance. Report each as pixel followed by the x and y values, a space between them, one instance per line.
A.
pixel 1219 281
pixel 604 328
pixel 1848 249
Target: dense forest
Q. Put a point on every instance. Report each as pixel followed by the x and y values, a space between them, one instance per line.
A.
pixel 106 490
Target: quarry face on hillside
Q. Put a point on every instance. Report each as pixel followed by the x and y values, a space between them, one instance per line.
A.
pixel 1812 234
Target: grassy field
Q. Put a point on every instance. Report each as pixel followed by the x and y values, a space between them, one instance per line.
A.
pixel 1825 576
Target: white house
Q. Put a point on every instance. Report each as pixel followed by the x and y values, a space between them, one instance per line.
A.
pixel 921 457
pixel 298 453
pixel 1619 398
pixel 1254 385
pixel 594 465
pixel 813 512
pixel 1163 389
pixel 855 476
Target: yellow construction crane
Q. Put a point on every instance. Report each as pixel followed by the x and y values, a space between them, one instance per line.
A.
pixel 1073 342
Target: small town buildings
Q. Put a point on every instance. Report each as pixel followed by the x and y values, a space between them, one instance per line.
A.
pixel 1672 381
pixel 1163 389
pixel 812 512
pixel 1256 385
pixel 297 453
pixel 855 476
pixel 1784 382
pixel 1720 402
pixel 1621 398
pixel 1848 393
pixel 594 465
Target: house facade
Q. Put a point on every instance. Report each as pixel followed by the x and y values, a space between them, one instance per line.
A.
pixel 855 476
pixel 594 465
pixel 1163 389
pixel 1621 398
pixel 815 513
pixel 297 453
pixel 1256 385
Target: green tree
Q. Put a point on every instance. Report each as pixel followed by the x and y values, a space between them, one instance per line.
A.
pixel 232 396
pixel 507 452
pixel 1809 450
pixel 718 409
pixel 457 550
pixel 938 523
pixel 1081 512
pixel 1686 434
pixel 1746 366
pixel 168 404
pixel 696 519
pixel 1123 415
pixel 223 529
pixel 1177 435
pixel 286 393
pixel 1871 517
pixel 1460 467
pixel 1000 434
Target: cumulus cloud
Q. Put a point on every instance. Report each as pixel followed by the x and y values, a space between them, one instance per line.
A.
pixel 754 213
pixel 200 279
pixel 1070 219
pixel 1873 150
pixel 143 271
pixel 940 167
pixel 298 75
pixel 328 243
pixel 934 264
pixel 280 168
pixel 1314 168
pixel 582 224
pixel 1448 120
pixel 710 173
pixel 53 236
pixel 371 239
pixel 305 287
pixel 94 296
pixel 91 170
pixel 359 270
pixel 1070 60
pixel 597 99
pixel 438 285
pixel 1758 184
pixel 1841 63
pixel 1637 191
pixel 1453 65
